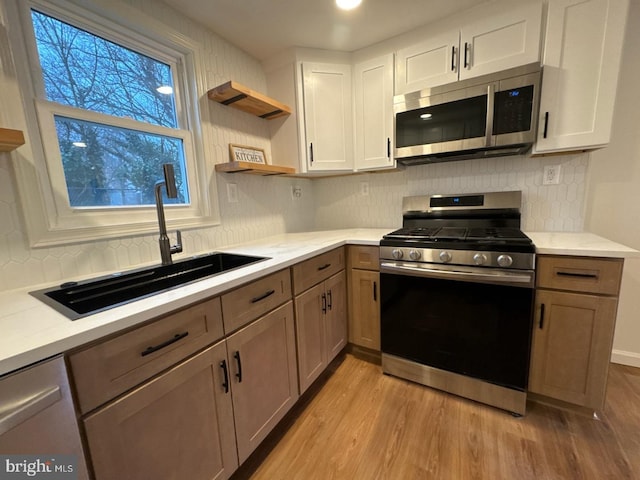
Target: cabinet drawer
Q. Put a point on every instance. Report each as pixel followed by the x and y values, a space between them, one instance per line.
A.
pixel 108 369
pixel 249 302
pixel 366 258
pixel 310 272
pixel 579 274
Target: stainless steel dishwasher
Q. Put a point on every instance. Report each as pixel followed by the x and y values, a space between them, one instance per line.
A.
pixel 37 418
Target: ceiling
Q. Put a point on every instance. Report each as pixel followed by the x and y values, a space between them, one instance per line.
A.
pixel 264 28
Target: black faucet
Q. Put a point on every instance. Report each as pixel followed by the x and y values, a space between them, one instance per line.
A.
pixel 166 250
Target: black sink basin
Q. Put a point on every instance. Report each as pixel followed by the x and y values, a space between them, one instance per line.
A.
pixel 79 299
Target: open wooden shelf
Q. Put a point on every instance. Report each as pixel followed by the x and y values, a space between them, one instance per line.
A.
pixel 238 96
pixel 10 139
pixel 253 168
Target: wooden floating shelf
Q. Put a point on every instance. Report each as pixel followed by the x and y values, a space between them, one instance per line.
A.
pixel 238 96
pixel 10 139
pixel 253 168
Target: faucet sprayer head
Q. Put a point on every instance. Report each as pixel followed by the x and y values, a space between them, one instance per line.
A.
pixel 170 180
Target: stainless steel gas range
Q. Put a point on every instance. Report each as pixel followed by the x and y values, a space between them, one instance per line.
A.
pixel 457 292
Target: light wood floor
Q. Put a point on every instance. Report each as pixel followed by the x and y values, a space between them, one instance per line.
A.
pixel 357 423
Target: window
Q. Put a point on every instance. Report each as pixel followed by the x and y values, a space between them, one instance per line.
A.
pixel 106 165
pixel 112 104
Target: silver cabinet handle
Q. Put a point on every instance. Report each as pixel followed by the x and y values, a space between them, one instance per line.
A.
pixel 21 410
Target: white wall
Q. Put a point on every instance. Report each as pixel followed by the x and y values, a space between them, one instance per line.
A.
pixel 613 192
pixel 265 206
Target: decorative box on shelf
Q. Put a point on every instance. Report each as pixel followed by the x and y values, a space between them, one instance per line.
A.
pixel 253 160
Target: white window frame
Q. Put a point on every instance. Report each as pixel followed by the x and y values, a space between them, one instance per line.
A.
pixel 52 220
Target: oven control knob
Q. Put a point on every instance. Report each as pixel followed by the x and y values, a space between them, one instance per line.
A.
pixel 479 259
pixel 505 260
pixel 397 253
pixel 445 256
pixel 414 255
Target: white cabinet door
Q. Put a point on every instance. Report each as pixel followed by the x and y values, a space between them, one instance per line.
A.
pixel 581 63
pixel 502 41
pixel 328 117
pixel 500 37
pixel 427 64
pixel 373 90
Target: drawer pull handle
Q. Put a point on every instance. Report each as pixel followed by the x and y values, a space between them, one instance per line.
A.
pixel 155 348
pixel 28 407
pixel 239 374
pixel 225 384
pixel 330 300
pixel 263 296
pixel 324 267
pixel 541 321
pixel 577 274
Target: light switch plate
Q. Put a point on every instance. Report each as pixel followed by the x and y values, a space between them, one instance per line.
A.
pixel 232 193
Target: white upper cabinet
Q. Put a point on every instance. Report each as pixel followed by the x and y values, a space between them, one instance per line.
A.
pixel 328 118
pixel 582 56
pixel 431 62
pixel 501 37
pixel 318 135
pixel 373 92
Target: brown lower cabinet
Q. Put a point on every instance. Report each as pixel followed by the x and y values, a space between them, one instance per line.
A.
pixel 364 296
pixel 572 346
pixel 574 322
pixel 204 416
pixel 176 426
pixel 263 376
pixel 321 325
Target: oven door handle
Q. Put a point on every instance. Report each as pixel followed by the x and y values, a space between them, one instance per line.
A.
pixel 491 276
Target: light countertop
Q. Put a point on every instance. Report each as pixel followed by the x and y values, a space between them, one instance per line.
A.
pixel 32 331
pixel 579 244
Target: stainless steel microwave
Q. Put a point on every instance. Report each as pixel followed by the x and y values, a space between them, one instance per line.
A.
pixel 487 116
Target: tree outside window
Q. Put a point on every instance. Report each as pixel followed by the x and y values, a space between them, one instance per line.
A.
pixel 108 164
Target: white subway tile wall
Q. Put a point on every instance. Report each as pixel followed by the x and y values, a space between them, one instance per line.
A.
pixel 266 205
pixel 341 204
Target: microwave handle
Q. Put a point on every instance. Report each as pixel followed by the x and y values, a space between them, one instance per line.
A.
pixel 491 91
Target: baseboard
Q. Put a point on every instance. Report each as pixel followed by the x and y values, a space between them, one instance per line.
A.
pixel 631 359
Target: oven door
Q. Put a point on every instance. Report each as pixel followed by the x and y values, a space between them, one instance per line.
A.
pixel 475 322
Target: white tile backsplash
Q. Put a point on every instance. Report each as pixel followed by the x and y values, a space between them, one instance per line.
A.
pixel 340 204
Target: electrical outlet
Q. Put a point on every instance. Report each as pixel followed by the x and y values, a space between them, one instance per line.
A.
pixel 232 193
pixel 296 192
pixel 364 188
pixel 551 175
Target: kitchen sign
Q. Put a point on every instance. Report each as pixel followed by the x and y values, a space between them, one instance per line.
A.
pixel 242 153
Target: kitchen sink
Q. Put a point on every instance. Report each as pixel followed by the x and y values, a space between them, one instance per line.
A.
pixel 79 299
